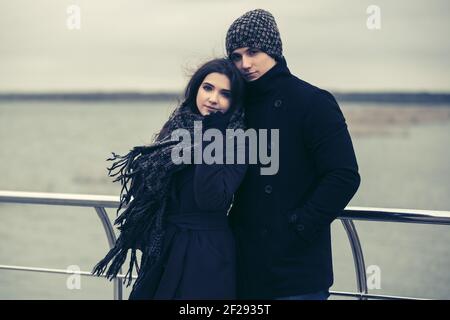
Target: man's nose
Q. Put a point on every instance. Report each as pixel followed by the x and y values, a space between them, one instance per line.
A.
pixel 246 62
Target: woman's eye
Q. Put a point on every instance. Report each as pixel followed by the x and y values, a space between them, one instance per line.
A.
pixel 226 95
pixel 207 87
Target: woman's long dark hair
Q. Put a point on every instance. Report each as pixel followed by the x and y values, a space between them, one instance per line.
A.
pixel 221 65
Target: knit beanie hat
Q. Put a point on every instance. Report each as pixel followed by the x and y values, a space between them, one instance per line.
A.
pixel 255 29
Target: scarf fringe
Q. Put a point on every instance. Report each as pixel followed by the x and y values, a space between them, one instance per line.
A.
pixel 125 171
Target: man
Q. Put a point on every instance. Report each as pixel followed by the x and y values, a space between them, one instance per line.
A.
pixel 282 221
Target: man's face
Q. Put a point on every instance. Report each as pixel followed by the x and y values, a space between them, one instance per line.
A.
pixel 251 62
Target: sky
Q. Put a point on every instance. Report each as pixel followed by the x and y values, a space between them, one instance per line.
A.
pixel 148 45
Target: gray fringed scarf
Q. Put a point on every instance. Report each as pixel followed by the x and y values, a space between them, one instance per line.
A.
pixel 145 174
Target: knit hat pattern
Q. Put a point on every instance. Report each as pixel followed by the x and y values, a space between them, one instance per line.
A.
pixel 255 29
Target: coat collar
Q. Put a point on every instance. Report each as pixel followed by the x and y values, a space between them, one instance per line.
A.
pixel 266 83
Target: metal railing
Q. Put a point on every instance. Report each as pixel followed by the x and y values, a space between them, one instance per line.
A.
pixel 100 203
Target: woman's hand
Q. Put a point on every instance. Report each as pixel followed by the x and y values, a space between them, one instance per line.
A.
pixel 216 120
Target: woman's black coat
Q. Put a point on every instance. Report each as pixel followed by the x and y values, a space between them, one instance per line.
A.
pixel 198 256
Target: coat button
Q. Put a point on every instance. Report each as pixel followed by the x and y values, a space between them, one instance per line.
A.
pixel 268 189
pixel 263 232
pixel 300 227
pixel 293 218
pixel 277 103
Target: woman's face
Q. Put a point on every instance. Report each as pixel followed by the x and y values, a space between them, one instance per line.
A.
pixel 214 94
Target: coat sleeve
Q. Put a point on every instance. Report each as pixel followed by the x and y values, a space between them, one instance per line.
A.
pixel 215 184
pixel 329 144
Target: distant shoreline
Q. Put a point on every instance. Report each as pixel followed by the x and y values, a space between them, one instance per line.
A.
pixel 91 96
pixel 352 97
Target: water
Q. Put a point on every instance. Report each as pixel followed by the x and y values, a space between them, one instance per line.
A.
pixel 62 147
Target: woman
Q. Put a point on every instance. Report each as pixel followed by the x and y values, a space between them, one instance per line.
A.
pixel 178 214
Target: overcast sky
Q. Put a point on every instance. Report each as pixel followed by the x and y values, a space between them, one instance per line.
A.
pixel 150 45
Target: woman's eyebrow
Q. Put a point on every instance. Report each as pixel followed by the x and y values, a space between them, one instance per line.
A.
pixel 208 84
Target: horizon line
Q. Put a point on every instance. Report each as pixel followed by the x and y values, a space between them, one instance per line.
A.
pixel 132 95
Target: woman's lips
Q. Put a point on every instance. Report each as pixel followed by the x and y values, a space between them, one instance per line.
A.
pixel 211 109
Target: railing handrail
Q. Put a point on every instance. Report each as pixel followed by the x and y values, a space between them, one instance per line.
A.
pixel 58 271
pixel 66 199
pixel 397 215
pixel 100 202
pixel 354 213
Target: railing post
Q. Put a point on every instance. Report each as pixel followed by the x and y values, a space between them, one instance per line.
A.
pixel 358 256
pixel 103 215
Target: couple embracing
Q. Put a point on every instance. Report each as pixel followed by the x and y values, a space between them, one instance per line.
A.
pixel 223 230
